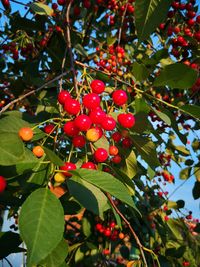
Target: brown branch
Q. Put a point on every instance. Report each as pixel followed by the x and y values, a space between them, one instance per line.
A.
pixel 69 46
pixel 32 92
pixel 130 228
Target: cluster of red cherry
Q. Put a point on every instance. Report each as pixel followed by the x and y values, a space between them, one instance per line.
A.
pixel 87 121
pixel 110 231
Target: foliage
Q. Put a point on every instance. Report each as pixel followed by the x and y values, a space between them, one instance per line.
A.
pixel 110 90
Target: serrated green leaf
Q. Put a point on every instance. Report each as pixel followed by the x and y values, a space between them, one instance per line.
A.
pixel 130 169
pixel 148 15
pixel 51 155
pixel 57 256
pixel 140 72
pixel 146 149
pixel 162 116
pixel 41 224
pixel 176 75
pixel 41 9
pixel 107 183
pixel 88 195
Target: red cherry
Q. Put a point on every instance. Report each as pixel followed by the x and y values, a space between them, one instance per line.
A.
pixel 3 184
pixel 6 4
pixel 198 19
pixel 61 2
pixel 191 14
pixel 79 141
pixel 72 106
pixel 49 128
pixel 91 101
pixel 77 11
pixel 112 224
pixel 97 86
pixel 54 6
pixel 68 167
pixel 108 123
pixel 100 155
pixel 116 159
pixel 119 97
pixel 166 218
pixel 97 115
pixel 98 226
pixel 113 150
pixel 63 96
pixel 186 263
pixel 86 4
pixel 107 232
pixel 116 137
pixel 70 128
pixel 126 120
pixel 89 165
pixel 83 122
pixel 126 142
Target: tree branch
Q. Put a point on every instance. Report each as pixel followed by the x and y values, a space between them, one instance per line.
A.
pixel 69 46
pixel 130 228
pixel 32 92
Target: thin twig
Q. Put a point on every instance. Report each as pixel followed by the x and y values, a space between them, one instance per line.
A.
pixel 130 228
pixel 32 92
pixel 69 47
pixel 8 262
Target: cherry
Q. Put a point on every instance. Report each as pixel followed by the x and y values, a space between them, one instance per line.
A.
pixel 116 159
pixel 166 218
pixel 78 141
pixel 119 97
pixel 198 19
pixel 38 151
pixel 106 251
pixel 116 137
pixel 63 96
pixel 69 166
pixel 100 155
pixel 3 184
pixel 54 6
pixel 186 263
pixel 70 128
pixel 72 106
pixel 126 142
pixel 98 226
pixel 112 224
pixel 107 232
pixel 97 86
pixel 113 150
pixel 94 133
pixel 26 133
pixel 6 4
pixel 126 120
pixel 97 115
pixel 77 11
pixel 49 128
pixel 108 123
pixel 86 4
pixel 91 101
pixel 83 122
pixel 61 2
pixel 88 165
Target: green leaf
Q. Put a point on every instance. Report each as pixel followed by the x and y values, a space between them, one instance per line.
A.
pixel 163 116
pixel 192 110
pixel 141 123
pixel 86 227
pixel 41 224
pixel 41 9
pixel 140 72
pixel 197 173
pixel 9 243
pixel 182 150
pixel 146 149
pixel 107 183
pixel 11 149
pixel 176 75
pixel 88 195
pixel 102 143
pixel 80 50
pixel 185 173
pixel 130 169
pixel 196 190
pixel 148 15
pixel 57 256
pixel 53 157
pixel 141 105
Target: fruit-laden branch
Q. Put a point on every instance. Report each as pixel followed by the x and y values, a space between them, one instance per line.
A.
pixel 130 228
pixel 69 46
pixel 33 91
